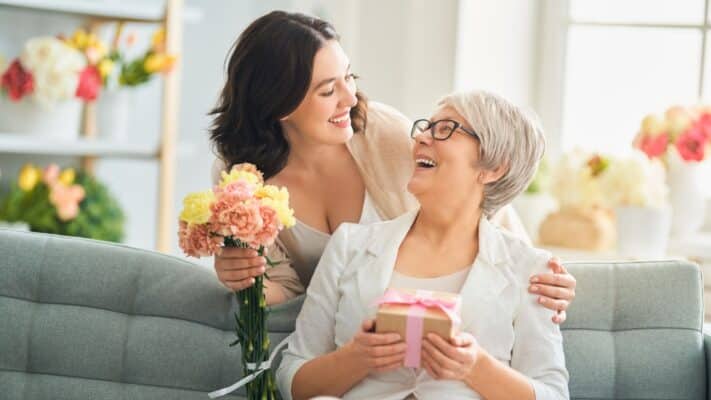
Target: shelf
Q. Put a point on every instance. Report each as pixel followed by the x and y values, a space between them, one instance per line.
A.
pixel 38 144
pixel 130 10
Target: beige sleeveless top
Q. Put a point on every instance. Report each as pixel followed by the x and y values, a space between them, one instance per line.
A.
pixel 310 242
pixel 451 283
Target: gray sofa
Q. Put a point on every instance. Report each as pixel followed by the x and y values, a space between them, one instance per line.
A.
pixel 81 319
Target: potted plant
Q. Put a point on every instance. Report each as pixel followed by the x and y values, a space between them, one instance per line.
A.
pixel 634 186
pixel 681 139
pixel 64 202
pixel 43 89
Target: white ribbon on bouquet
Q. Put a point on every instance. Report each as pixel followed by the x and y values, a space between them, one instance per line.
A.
pixel 258 370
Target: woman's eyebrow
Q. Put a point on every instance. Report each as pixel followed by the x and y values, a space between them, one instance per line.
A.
pixel 329 80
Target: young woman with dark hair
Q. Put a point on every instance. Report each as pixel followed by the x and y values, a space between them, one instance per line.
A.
pixel 291 107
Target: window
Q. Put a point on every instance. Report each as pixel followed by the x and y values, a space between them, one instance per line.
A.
pixel 607 63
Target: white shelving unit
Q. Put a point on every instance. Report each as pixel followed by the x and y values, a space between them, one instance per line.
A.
pixel 169 13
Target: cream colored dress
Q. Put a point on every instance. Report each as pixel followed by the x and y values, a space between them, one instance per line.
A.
pixel 383 154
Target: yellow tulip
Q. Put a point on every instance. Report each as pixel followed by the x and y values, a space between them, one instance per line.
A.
pixel 29 177
pixel 67 176
pixel 158 63
pixel 158 40
pixel 79 39
pixel 105 67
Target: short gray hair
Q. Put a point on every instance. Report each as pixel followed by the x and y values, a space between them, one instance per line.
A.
pixel 508 136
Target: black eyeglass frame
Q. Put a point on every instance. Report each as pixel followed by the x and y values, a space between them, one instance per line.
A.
pixel 432 124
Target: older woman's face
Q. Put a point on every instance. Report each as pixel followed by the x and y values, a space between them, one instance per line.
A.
pixel 448 167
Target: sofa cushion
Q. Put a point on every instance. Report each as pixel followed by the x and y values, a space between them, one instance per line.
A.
pixel 634 331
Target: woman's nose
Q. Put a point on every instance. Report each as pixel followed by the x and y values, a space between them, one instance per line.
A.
pixel 423 137
pixel 349 97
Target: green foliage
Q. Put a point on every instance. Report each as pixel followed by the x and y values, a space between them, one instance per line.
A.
pixel 541 180
pixel 100 216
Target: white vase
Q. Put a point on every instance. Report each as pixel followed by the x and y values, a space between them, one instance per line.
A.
pixel 112 112
pixel 533 209
pixel 688 201
pixel 61 120
pixel 643 232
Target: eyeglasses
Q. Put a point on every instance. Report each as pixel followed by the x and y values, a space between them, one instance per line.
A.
pixel 439 130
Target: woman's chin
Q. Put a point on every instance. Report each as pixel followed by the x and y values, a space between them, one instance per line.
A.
pixel 417 184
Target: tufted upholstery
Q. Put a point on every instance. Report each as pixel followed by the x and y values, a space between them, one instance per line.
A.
pixel 81 319
pixel 634 331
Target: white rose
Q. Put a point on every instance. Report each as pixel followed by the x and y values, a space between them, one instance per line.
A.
pixel 55 67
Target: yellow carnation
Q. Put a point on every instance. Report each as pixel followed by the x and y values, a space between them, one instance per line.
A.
pixel 236 175
pixel 196 207
pixel 29 177
pixel 273 192
pixel 67 176
pixel 284 213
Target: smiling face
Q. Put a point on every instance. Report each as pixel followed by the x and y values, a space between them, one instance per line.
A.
pixel 446 167
pixel 323 116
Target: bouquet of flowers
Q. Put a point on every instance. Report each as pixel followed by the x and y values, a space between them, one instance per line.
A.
pixel 154 60
pixel 575 180
pixel 241 211
pixel 684 130
pixel 62 202
pixel 636 181
pixel 53 69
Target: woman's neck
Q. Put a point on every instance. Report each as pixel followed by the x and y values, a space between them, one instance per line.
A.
pixel 311 157
pixel 445 225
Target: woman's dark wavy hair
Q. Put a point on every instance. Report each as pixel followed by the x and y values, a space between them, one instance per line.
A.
pixel 268 75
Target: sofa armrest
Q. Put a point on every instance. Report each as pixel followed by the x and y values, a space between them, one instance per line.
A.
pixel 707 350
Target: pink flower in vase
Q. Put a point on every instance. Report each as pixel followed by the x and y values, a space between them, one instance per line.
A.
pixel 704 125
pixel 51 174
pixel 691 144
pixel 654 146
pixel 89 83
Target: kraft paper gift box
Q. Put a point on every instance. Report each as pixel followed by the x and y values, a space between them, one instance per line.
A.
pixel 415 313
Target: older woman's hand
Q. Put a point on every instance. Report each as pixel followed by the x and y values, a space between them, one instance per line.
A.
pixel 376 352
pixel 556 290
pixel 450 360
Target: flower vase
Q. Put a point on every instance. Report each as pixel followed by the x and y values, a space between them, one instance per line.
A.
pixel 112 112
pixel 57 121
pixel 686 195
pixel 642 232
pixel 533 209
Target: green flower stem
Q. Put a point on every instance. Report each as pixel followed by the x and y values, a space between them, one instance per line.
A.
pixel 252 335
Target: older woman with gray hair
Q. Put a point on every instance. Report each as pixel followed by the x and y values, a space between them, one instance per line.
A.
pixel 473 156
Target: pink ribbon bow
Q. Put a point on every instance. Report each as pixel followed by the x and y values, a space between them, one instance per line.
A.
pixel 419 303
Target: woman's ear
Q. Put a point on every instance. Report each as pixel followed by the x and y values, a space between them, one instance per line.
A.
pixel 489 176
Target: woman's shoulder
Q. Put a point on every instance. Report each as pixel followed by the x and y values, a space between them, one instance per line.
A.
pixel 525 259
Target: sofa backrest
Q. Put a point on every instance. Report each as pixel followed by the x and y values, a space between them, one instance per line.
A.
pixel 634 331
pixel 82 319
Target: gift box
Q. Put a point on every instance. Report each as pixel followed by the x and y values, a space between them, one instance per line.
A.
pixel 415 313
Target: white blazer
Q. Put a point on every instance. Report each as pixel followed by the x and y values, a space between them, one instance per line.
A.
pixel 497 310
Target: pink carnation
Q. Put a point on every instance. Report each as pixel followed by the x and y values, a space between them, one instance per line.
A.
pixel 270 227
pixel 654 146
pixel 704 125
pixel 237 219
pixel 240 190
pixel 197 241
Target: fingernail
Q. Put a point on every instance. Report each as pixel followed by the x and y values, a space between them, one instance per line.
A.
pixel 534 279
pixel 534 288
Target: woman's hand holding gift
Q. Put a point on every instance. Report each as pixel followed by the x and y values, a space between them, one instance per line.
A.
pixel 454 359
pixel 375 352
